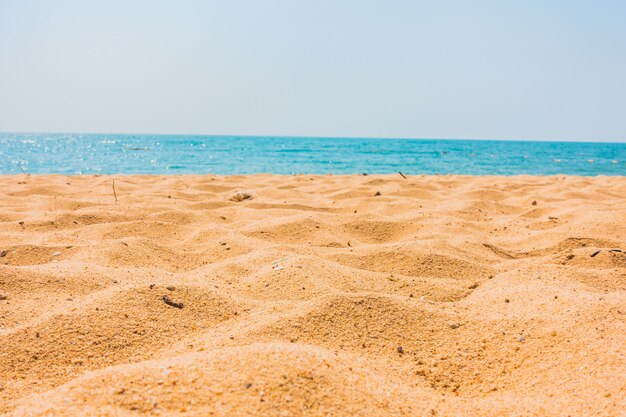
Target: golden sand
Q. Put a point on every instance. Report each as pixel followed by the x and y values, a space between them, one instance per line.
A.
pixel 312 295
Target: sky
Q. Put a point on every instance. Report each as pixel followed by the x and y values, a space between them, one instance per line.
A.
pixel 537 70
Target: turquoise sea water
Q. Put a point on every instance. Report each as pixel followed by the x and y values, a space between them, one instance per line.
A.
pixel 178 154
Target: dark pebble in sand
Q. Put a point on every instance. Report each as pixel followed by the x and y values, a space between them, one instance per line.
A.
pixel 400 350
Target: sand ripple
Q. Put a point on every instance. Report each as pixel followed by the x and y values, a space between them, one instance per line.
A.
pixel 320 295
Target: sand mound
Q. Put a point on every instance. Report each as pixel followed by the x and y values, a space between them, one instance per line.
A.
pixel 321 295
pixel 413 263
pixel 258 379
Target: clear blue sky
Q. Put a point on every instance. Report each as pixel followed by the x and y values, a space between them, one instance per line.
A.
pixel 552 70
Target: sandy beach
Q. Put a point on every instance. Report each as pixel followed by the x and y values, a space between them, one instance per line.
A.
pixel 312 295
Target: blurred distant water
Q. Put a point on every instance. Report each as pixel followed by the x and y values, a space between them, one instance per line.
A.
pixel 179 154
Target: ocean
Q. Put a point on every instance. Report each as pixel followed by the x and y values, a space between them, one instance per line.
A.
pixel 42 153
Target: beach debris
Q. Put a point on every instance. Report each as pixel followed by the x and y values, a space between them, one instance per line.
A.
pixel 377 194
pixel 170 288
pixel 521 338
pixel 453 325
pixel 3 297
pixel 612 250
pixel 400 350
pixel 402 175
pixel 534 202
pixel 151 286
pixel 593 255
pixel 276 266
pixel 177 304
pixel 500 252
pixel 473 286
pixel 57 253
pixel 506 300
pixel 114 193
pixel 3 253
pixel 248 385
pixel 242 195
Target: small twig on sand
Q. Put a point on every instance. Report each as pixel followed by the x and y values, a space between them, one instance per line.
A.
pixel 403 176
pixel 114 193
pixel 171 302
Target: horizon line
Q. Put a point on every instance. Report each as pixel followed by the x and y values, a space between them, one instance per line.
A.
pixel 619 141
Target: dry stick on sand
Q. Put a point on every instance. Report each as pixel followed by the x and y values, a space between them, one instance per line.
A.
pixel 114 193
pixel 167 300
pixel 403 176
